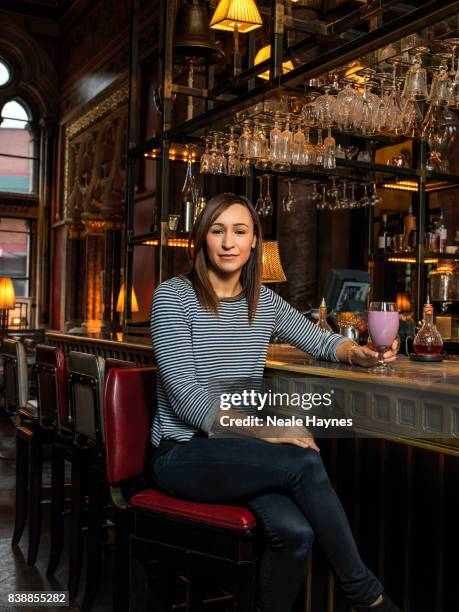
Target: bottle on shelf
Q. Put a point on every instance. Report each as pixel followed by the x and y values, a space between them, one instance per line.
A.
pixel 190 196
pixel 428 340
pixel 429 240
pixel 441 234
pixel 384 238
pixel 409 230
pixel 323 314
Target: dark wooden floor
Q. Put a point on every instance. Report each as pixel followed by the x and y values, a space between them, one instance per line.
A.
pixel 15 574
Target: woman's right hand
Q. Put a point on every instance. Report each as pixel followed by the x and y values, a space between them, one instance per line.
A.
pixel 299 436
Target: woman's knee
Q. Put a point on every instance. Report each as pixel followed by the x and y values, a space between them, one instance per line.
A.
pixel 308 464
pixel 294 537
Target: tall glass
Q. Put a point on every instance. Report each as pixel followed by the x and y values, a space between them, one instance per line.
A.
pixel 383 324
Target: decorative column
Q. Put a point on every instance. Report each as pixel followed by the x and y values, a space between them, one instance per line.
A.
pixel 111 277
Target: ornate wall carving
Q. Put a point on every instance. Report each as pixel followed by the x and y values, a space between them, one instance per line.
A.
pixel 93 208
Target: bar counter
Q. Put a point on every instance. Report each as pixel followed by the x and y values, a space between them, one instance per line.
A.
pixel 418 404
pixel 398 484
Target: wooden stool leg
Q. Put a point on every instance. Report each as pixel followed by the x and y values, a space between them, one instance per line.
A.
pixel 76 535
pixel 196 593
pixel 93 539
pixel 22 469
pixel 121 586
pixel 57 509
pixel 35 484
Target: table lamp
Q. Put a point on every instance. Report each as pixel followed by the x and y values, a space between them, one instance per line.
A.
pixel 7 299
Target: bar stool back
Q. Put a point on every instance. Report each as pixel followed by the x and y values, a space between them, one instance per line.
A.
pixel 53 404
pixel 86 378
pixel 15 375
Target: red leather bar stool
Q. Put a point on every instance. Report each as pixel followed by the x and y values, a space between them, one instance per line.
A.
pixel 213 539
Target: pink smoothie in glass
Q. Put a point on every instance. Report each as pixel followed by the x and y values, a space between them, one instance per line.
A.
pixel 383 327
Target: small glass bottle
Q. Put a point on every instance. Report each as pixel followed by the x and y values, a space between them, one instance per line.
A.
pixel 428 340
pixel 323 313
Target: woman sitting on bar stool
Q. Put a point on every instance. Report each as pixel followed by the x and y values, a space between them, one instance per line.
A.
pixel 216 322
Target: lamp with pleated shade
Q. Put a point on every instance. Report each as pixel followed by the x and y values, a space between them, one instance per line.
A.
pixel 272 267
pixel 236 16
pixel 120 302
pixel 240 15
pixel 7 299
pixel 264 54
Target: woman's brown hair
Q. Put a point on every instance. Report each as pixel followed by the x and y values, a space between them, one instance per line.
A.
pixel 198 274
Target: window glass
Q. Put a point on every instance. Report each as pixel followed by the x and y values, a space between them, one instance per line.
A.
pixel 18 164
pixel 5 73
pixel 15 253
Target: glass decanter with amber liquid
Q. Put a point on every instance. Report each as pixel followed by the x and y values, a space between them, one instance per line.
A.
pixel 428 340
pixel 323 314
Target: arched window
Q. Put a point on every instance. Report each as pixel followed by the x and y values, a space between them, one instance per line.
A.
pixel 5 73
pixel 18 159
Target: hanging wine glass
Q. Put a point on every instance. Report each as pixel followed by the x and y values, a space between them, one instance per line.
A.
pixel 289 200
pixel 344 200
pixel 376 199
pixel 319 149
pixel 415 88
pixel 268 203
pixel 315 194
pixel 298 147
pixel 205 163
pixel 364 200
pixel 330 151
pixel 245 140
pixel 259 204
pixel 309 153
pixel 333 194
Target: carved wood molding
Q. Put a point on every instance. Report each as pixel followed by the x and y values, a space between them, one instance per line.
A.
pixel 94 158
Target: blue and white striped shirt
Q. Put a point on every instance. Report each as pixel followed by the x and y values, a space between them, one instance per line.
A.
pixel 192 346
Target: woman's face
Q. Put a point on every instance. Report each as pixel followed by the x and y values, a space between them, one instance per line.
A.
pixel 230 240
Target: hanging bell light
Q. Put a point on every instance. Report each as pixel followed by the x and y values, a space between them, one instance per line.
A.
pixel 192 38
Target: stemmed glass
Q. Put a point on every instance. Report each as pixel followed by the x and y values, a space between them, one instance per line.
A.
pixel 375 199
pixel 333 194
pixel 289 200
pixel 267 202
pixel 344 201
pixel 415 88
pixel 330 151
pixel 353 201
pixel 383 322
pixel 364 200
pixel 259 204
pixel 206 159
pixel 315 195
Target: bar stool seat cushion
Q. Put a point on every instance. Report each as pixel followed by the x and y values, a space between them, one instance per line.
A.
pixel 229 517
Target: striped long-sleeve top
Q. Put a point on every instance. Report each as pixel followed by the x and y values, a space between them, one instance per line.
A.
pixel 192 345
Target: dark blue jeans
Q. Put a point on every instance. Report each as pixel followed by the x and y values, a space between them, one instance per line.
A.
pixel 290 494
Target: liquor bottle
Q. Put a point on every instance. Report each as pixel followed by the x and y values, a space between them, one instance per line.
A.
pixel 428 340
pixel 323 313
pixel 384 238
pixel 441 234
pixel 409 230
